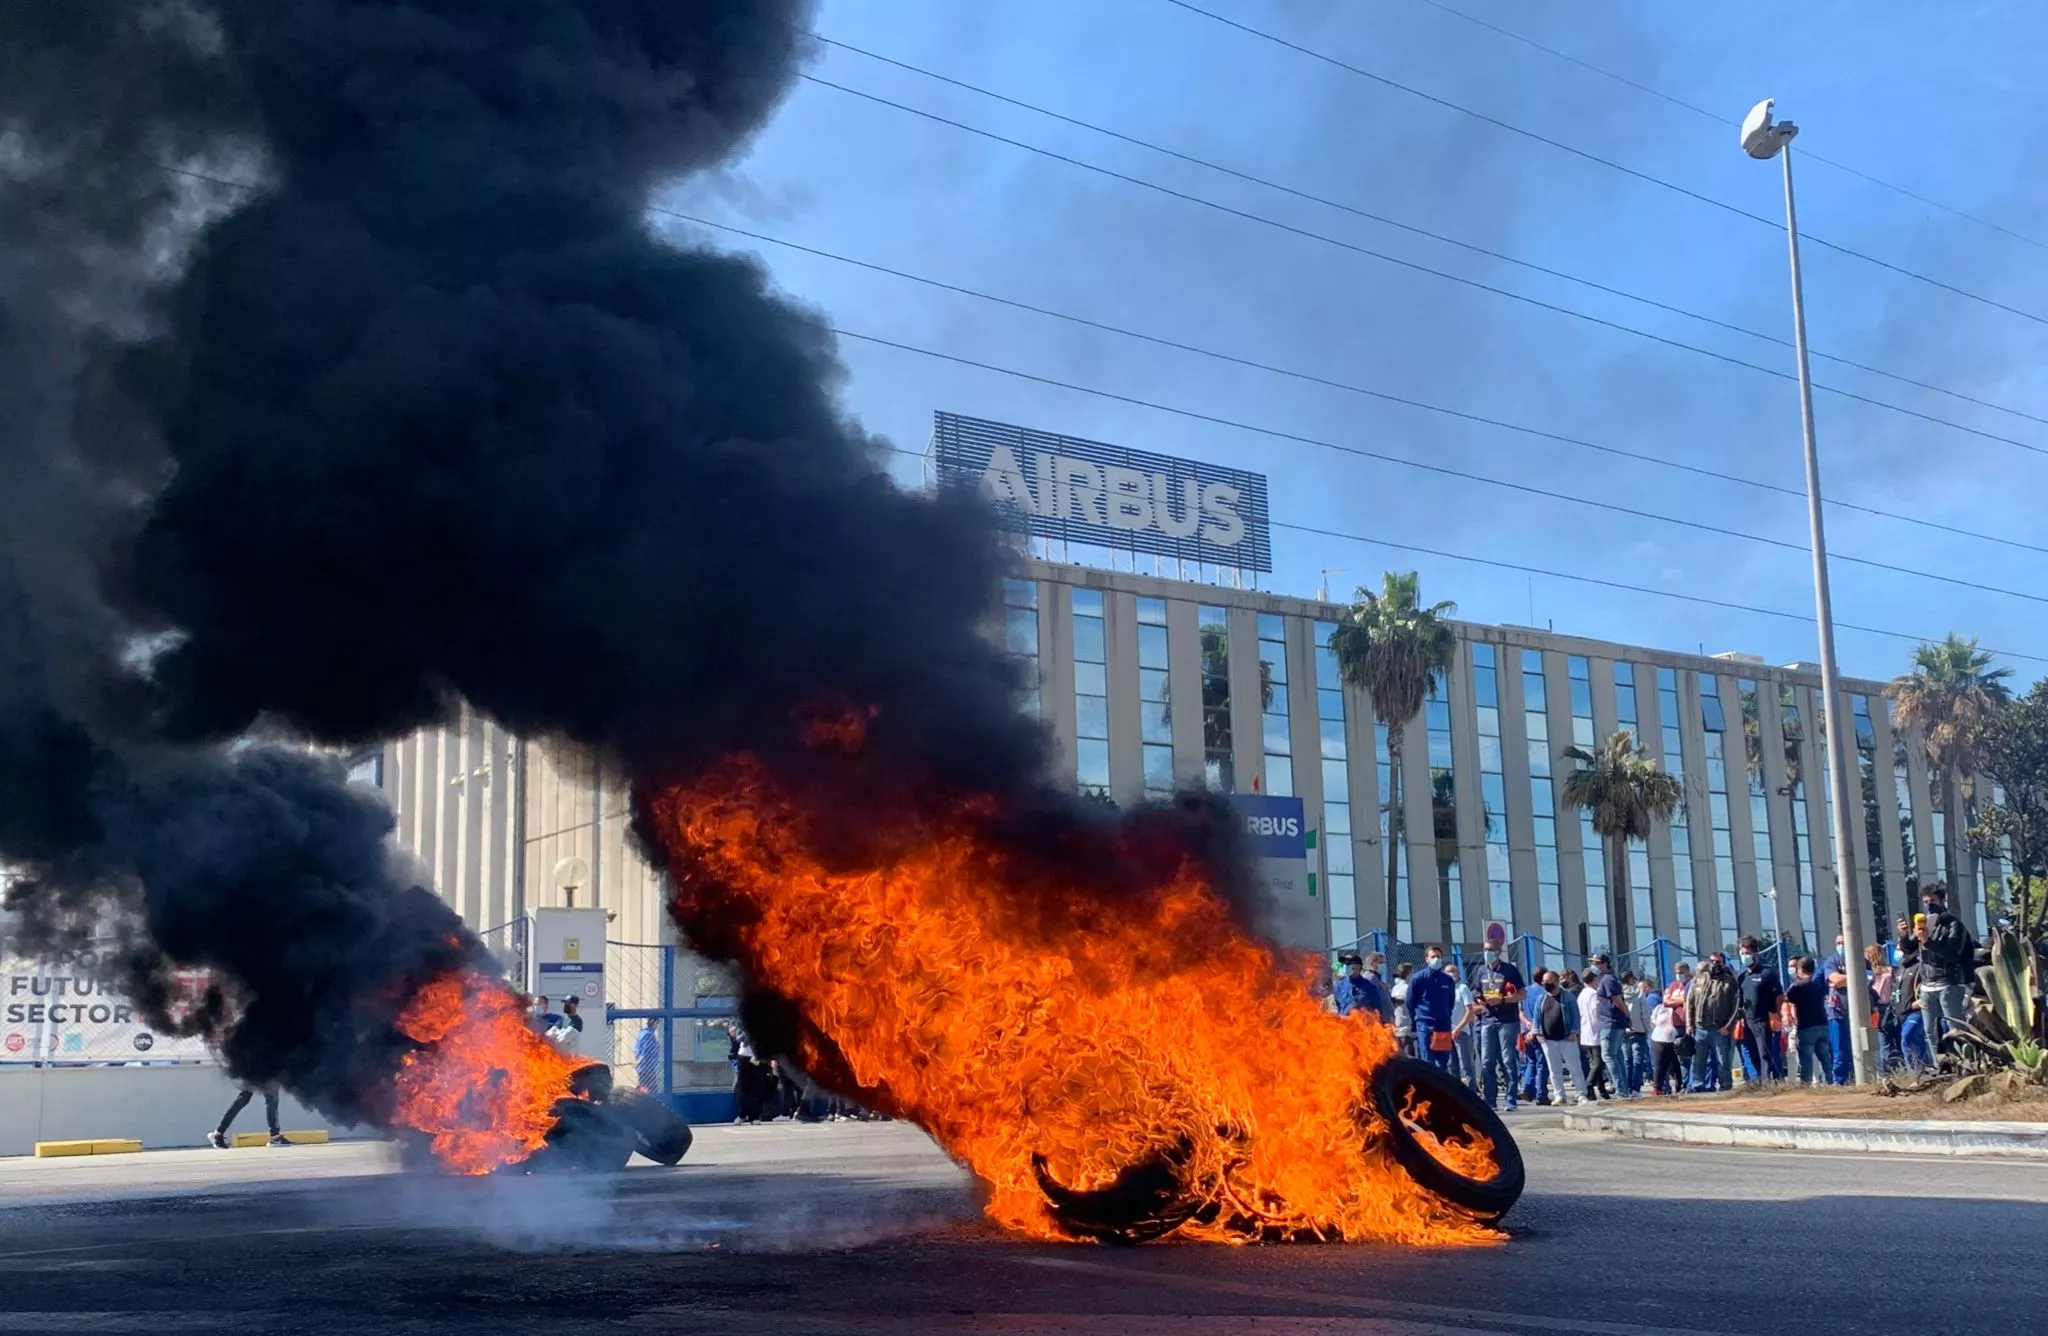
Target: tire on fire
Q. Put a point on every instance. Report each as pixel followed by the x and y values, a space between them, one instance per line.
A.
pixel 1417 1098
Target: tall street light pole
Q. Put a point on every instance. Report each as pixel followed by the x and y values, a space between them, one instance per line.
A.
pixel 1764 140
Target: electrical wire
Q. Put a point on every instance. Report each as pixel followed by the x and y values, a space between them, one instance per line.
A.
pixel 1413 229
pixel 1460 279
pixel 1597 581
pixel 1346 386
pixel 1722 120
pixel 1442 470
pixel 1610 163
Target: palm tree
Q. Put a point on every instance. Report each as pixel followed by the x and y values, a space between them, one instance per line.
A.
pixel 1392 648
pixel 1626 793
pixel 1951 690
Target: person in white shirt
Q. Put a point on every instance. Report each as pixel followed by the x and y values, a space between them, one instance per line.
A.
pixel 1464 1040
pixel 1589 1044
pixel 1664 1077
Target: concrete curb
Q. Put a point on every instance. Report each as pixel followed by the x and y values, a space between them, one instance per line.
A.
pixel 2019 1141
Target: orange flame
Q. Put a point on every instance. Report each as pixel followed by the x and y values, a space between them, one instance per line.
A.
pixel 1470 1155
pixel 483 1085
pixel 1003 1038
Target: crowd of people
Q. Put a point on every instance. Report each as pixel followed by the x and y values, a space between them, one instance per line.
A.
pixel 766 1090
pixel 1601 1033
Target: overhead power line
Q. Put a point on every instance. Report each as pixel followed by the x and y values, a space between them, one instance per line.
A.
pixel 1460 279
pixel 1720 119
pixel 1558 144
pixel 1346 386
pixel 1594 580
pixel 1441 470
pixel 1358 212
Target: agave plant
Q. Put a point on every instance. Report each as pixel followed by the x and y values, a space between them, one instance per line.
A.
pixel 2002 1028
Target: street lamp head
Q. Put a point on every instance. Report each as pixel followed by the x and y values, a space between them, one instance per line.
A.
pixel 1760 137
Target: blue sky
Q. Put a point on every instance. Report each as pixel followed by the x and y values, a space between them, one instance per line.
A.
pixel 1946 107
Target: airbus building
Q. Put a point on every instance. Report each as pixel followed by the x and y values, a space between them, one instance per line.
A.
pixel 1120 660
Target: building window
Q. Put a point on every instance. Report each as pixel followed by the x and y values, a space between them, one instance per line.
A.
pixel 1681 833
pixel 1091 694
pixel 1443 809
pixel 1642 916
pixel 1155 722
pixel 1339 851
pixel 1596 935
pixel 1493 813
pixel 1870 792
pixel 1542 799
pixel 1279 748
pixel 1020 635
pixel 1218 770
pixel 1759 794
pixel 1802 848
pixel 1715 722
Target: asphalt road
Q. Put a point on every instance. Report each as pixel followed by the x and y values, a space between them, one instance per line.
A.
pixel 865 1229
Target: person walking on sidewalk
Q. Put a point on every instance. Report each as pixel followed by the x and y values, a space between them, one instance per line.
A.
pixel 1710 1011
pixel 218 1137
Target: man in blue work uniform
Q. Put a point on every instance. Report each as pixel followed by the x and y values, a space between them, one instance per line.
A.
pixel 1358 991
pixel 1498 989
pixel 1433 1003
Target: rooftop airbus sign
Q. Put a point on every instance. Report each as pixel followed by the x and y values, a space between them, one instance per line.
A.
pixel 1079 491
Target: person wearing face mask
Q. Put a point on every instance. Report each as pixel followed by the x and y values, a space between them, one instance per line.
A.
pixel 1756 1023
pixel 1948 957
pixel 1433 1004
pixel 1557 1029
pixel 1711 1005
pixel 1497 988
pixel 1611 1012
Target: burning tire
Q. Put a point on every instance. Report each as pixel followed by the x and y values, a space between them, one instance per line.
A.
pixel 660 1134
pixel 1447 1139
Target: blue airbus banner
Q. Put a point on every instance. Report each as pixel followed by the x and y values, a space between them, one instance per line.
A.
pixel 1274 827
pixel 1064 488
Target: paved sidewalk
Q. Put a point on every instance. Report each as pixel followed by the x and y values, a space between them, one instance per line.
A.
pixel 1720 1127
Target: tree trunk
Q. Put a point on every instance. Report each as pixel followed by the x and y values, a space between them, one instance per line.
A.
pixel 1620 939
pixel 1951 830
pixel 1394 834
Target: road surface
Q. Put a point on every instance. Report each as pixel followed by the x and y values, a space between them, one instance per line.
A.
pixel 863 1228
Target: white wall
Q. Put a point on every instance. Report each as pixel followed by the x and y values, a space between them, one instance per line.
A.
pixel 162 1106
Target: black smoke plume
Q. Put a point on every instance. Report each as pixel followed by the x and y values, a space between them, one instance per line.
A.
pixel 427 415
